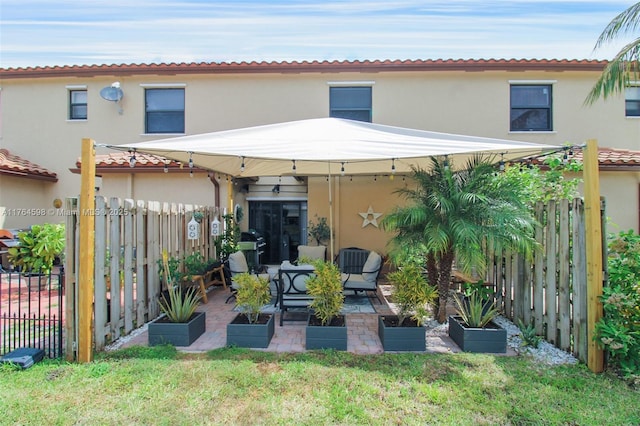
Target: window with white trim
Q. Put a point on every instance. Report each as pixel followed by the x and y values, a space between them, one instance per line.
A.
pixel 632 101
pixel 164 110
pixel 77 104
pixel 353 103
pixel 531 108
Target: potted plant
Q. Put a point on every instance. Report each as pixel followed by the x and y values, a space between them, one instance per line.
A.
pixel 320 230
pixel 473 329
pixel 412 294
pixel 38 250
pixel 326 327
pixel 250 328
pixel 181 325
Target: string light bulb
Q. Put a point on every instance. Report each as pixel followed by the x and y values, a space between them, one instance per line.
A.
pixel 166 166
pixel 501 163
pixel 294 167
pixel 242 165
pixel 132 159
pixel 342 169
pixel 393 169
pixel 446 162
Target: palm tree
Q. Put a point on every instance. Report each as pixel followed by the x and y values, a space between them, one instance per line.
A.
pixel 623 68
pixel 452 215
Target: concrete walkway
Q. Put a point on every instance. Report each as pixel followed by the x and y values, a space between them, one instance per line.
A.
pixel 362 330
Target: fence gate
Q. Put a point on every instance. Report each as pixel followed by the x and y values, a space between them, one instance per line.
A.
pixel 31 312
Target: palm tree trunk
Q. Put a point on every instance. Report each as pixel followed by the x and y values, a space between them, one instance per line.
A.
pixel 444 282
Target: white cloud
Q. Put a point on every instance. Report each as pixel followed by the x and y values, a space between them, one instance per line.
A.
pixel 37 32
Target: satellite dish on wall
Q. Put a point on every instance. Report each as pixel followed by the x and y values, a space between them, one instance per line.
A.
pixel 112 93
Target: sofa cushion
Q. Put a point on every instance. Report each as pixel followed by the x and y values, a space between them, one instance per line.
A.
pixel 357 282
pixel 238 263
pixel 371 267
pixel 312 252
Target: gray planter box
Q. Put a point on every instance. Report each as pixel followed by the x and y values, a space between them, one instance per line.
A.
pixel 492 339
pixel 401 338
pixel 326 336
pixel 250 335
pixel 161 331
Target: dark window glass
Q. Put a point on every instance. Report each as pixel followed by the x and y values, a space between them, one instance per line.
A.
pixel 164 110
pixel 77 104
pixel 353 103
pixel 531 108
pixel 632 101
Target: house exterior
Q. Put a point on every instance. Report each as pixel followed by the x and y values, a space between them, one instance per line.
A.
pixel 45 112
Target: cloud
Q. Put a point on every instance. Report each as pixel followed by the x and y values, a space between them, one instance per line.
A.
pixel 37 32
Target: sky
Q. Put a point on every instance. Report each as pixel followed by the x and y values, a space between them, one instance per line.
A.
pixel 85 32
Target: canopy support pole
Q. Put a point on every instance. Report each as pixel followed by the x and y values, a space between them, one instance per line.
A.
pixel 87 251
pixel 331 250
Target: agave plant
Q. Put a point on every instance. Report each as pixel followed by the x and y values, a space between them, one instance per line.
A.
pixel 475 312
pixel 179 304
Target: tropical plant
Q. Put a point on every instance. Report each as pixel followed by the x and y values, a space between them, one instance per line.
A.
pixel 178 303
pixel 195 264
pixel 38 248
pixel 623 68
pixel 451 215
pixel 618 331
pixel 252 294
pixel 227 243
pixel 319 230
pixel 326 288
pixel 411 292
pixel 484 291
pixel 529 335
pixel 475 312
pixel 544 185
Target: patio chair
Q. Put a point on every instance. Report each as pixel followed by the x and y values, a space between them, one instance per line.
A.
pixel 237 264
pixel 312 252
pixel 362 278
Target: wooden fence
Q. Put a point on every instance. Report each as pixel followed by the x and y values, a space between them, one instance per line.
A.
pixel 129 239
pixel 550 290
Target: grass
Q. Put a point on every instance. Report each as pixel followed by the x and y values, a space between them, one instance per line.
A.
pixel 159 385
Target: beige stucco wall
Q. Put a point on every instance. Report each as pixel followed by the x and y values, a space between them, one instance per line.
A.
pixel 24 202
pixel 35 126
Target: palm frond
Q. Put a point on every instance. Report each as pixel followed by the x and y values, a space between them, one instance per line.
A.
pixel 626 22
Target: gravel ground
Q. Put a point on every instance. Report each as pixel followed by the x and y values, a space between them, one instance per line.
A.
pixel 545 353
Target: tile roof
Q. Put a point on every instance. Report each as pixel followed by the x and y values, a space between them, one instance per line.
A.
pixel 119 162
pixel 608 158
pixel 307 66
pixel 11 164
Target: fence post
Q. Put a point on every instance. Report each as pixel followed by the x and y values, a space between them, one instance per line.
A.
pixel 595 359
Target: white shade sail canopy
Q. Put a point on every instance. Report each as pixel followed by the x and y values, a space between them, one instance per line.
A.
pixel 323 146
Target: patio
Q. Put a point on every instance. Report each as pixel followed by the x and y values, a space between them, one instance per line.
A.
pixel 362 330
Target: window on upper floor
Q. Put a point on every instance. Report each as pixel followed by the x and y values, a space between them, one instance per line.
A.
pixel 531 108
pixel 164 110
pixel 632 101
pixel 353 103
pixel 77 104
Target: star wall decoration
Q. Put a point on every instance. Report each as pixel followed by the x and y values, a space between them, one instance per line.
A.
pixel 370 217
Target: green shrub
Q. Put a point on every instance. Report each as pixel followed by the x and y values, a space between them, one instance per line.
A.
pixel 252 294
pixel 529 336
pixel 326 288
pixel 411 292
pixel 618 331
pixel 178 304
pixel 38 248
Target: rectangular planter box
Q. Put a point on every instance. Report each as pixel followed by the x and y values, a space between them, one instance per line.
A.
pixel 250 335
pixel 490 340
pixel 162 332
pixel 326 336
pixel 401 338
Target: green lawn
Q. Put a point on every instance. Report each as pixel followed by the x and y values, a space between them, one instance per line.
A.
pixel 158 385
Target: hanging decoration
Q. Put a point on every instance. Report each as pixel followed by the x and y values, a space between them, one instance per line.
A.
pixel 193 229
pixel 370 217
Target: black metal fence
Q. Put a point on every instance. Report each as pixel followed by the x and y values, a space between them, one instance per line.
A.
pixel 32 312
